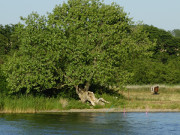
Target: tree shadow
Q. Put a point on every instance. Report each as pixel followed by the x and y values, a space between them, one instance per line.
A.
pixel 104 90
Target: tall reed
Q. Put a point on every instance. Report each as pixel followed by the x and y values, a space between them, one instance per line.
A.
pixel 28 104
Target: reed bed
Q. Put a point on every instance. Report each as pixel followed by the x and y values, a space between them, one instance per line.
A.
pixel 28 104
pixel 31 104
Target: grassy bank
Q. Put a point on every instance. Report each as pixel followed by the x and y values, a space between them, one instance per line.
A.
pixel 142 98
pixel 30 104
pixel 133 98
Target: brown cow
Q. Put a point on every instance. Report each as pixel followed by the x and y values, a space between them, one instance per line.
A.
pixel 155 89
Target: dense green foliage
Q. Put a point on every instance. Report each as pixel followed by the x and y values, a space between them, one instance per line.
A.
pixel 85 41
pixel 81 41
pixel 8 39
pixel 8 44
pixel 166 45
pixel 150 71
pixel 175 33
pixel 164 65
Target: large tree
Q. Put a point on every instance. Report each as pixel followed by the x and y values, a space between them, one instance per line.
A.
pixel 82 42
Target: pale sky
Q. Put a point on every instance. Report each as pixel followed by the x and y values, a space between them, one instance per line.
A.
pixel 163 14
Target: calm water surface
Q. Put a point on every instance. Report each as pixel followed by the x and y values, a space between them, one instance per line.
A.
pixel 90 124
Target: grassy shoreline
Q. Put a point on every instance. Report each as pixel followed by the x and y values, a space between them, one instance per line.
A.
pixel 104 110
pixel 132 99
pixel 112 110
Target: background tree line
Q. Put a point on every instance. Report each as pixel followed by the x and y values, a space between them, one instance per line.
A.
pixel 163 67
pixel 84 43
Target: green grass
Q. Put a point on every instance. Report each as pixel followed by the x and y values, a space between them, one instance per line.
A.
pixel 76 104
pixel 28 104
pixel 131 98
pixel 141 98
pixel 114 101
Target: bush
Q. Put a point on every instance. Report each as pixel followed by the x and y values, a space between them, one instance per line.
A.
pixel 3 83
pixel 149 71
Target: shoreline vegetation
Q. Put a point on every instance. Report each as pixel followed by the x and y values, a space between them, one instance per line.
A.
pixel 54 62
pixel 132 99
pixel 105 110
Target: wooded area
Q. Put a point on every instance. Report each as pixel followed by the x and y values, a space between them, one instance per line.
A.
pixel 83 45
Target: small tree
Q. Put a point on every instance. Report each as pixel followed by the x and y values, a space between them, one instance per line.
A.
pixel 82 42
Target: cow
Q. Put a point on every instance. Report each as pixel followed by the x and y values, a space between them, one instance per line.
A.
pixel 155 89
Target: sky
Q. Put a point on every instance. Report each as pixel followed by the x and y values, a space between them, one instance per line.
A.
pixel 163 14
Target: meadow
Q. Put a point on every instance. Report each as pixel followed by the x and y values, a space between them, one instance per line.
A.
pixel 137 98
pixel 140 97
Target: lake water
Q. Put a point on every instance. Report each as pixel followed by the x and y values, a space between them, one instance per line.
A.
pixel 90 124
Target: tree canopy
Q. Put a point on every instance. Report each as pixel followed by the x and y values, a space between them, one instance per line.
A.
pixel 80 42
pixel 8 39
pixel 175 33
pixel 163 66
pixel 166 45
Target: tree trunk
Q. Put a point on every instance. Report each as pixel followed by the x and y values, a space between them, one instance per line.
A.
pixel 86 95
pixel 89 96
